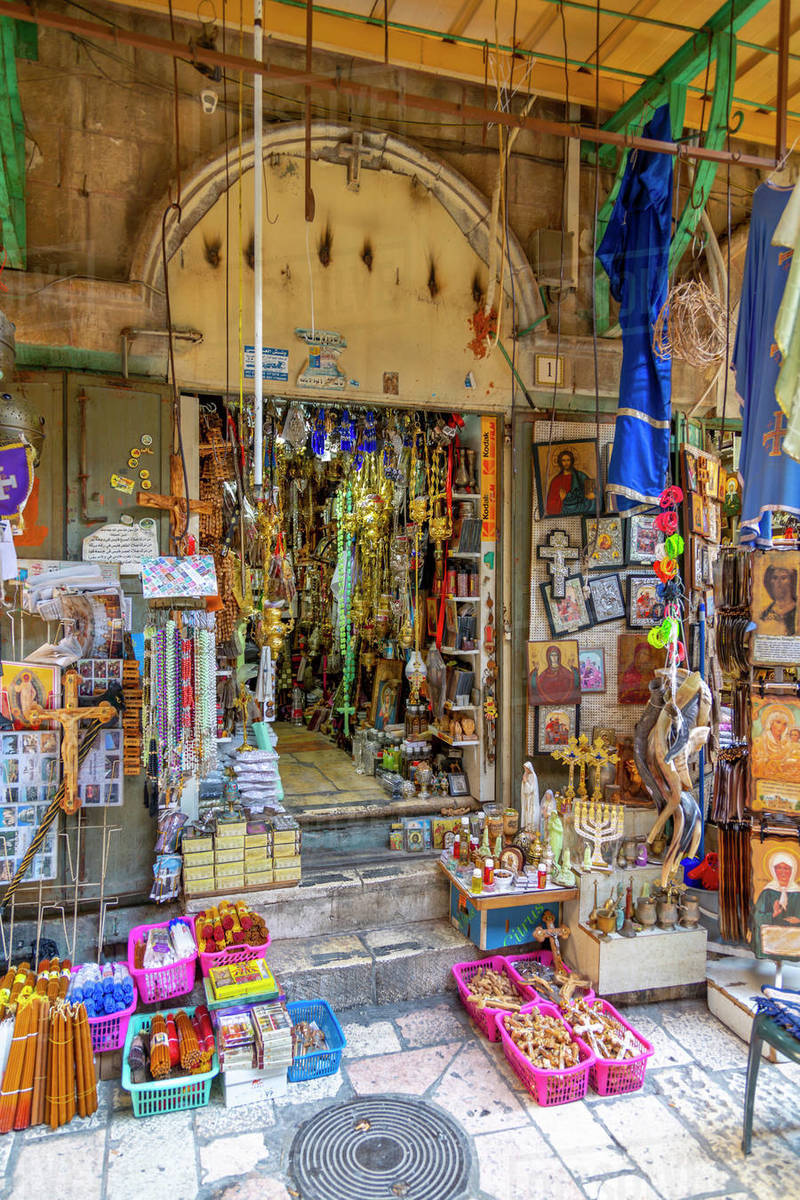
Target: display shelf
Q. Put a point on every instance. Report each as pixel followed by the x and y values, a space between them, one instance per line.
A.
pixel 511 899
pixel 465 496
pixel 459 707
pixel 463 553
pixel 443 737
pixel 452 650
pixel 464 599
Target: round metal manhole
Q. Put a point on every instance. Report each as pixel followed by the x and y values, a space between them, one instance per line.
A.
pixel 380 1148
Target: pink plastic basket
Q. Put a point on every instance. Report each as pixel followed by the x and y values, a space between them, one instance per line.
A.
pixel 162 983
pixel 548 1088
pixel 611 1078
pixel 484 1018
pixel 108 1033
pixel 231 954
pixel 546 958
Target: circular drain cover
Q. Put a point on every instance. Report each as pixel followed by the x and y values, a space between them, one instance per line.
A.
pixel 380 1148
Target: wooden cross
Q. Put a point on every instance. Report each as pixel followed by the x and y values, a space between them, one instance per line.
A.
pixel 559 553
pixel 69 717
pixel 354 153
pixel 569 980
pixel 175 503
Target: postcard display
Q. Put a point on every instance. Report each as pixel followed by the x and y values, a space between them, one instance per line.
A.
pixel 757 787
pixel 89 607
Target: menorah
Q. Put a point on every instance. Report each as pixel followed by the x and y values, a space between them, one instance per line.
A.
pixel 599 824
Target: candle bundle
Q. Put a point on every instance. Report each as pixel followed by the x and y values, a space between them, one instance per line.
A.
pixel 159 1047
pixel 187 1041
pixel 48 1071
pixel 178 1043
pixel 230 924
pixel 201 1019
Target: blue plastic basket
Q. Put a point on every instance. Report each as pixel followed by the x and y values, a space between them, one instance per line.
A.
pixel 165 1095
pixel 317 1063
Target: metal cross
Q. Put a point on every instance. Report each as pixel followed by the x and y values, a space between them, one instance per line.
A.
pixel 6 481
pixel 354 153
pixel 559 553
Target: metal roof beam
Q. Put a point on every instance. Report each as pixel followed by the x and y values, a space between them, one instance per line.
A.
pixel 12 152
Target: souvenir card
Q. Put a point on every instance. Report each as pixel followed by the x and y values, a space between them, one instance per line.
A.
pixel 593 670
pixel 774 607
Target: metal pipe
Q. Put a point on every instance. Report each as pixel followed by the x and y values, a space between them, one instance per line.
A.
pixel 782 102
pixel 378 95
pixel 258 252
pixel 83 467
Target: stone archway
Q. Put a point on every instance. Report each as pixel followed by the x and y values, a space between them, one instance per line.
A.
pixel 468 207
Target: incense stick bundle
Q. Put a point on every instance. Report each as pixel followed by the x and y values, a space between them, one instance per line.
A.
pixel 69 1074
pixel 40 1067
pixel 187 1040
pixel 159 1047
pixel 13 1075
pixel 22 1117
pixel 84 1056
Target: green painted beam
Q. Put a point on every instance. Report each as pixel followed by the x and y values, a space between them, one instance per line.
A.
pixel 12 151
pixel 686 63
pixel 30 355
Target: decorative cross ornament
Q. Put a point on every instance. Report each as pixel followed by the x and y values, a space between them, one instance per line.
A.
pixel 354 153
pixel 6 482
pixel 570 756
pixel 568 979
pixel 175 503
pixel 774 437
pixel 241 703
pixel 559 553
pixel 598 757
pixel 69 717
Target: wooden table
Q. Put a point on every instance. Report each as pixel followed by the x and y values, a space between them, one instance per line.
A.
pixel 496 919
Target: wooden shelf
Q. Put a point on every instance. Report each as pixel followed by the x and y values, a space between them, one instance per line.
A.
pixel 445 737
pixel 464 599
pixel 463 554
pixel 460 707
pixel 511 899
pixel 452 650
pixel 465 496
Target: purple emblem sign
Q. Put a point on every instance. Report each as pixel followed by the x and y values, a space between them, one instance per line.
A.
pixel 16 480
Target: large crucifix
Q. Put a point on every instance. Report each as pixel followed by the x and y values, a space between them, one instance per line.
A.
pixel 559 554
pixel 69 717
pixel 175 504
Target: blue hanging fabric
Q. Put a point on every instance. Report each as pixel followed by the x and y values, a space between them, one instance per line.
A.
pixel 635 254
pixel 770 478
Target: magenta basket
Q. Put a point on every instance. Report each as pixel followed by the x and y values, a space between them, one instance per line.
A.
pixel 162 983
pixel 231 954
pixel 548 1088
pixel 485 1018
pixel 545 957
pixel 611 1078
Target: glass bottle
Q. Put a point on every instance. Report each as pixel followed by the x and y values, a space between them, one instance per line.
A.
pixel 477 882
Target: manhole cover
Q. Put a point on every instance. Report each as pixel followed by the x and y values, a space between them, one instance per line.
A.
pixel 378 1149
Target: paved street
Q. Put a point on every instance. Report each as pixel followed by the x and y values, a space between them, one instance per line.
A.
pixel 676 1139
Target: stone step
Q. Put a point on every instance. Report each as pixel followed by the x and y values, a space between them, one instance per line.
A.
pixel 380 966
pixel 334 827
pixel 372 895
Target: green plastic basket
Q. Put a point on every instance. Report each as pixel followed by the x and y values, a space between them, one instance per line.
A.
pixel 165 1095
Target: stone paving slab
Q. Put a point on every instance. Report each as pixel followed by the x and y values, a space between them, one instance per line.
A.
pixel 676 1139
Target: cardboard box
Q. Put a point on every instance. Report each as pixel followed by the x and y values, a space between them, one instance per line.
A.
pixel 287 861
pixel 192 845
pixel 252 840
pixel 228 828
pixel 192 874
pixel 285 875
pixel 264 1087
pixel 228 856
pixel 259 878
pixel 203 859
pixel 235 842
pixel 221 870
pixel 199 887
pixel 286 851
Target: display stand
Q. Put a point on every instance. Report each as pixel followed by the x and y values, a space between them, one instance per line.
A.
pixel 654 959
pixel 496 919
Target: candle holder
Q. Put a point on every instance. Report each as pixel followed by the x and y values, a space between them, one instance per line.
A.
pixel 600 824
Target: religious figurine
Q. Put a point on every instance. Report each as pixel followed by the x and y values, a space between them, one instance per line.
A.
pixel 555 834
pixel 529 798
pixel 547 807
pixel 565 874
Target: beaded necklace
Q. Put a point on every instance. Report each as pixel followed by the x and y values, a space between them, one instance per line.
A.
pixel 344 544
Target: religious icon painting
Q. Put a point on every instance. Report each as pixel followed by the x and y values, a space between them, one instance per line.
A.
pixel 689 476
pixel 431 615
pixel 386 688
pixel 775 735
pixel 553 673
pixel 637 662
pixel 555 725
pixel 566 477
pixel 698 515
pixel 593 671
pixel 776 575
pixel 645 542
pixel 570 614
pixel 604 542
pixel 775 873
pixel 644 607
pixel 24 684
pixel 608 603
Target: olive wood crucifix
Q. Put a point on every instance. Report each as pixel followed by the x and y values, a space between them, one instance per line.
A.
pixel 69 717
pixel 569 980
pixel 175 504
